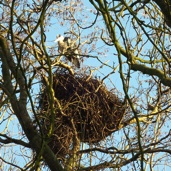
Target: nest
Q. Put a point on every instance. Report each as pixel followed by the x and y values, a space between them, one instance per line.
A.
pixel 89 111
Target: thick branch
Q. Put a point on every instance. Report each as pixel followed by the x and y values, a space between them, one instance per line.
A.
pixel 111 164
pixel 165 6
pixel 9 140
pixel 19 107
pixel 153 72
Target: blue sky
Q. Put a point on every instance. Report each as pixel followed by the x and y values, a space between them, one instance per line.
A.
pixel 99 48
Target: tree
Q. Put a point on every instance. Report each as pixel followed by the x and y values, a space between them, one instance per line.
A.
pixel 133 35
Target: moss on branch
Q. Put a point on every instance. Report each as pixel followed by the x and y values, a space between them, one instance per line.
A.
pixel 153 72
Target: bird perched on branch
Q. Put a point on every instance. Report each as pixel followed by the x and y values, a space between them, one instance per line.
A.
pixel 69 48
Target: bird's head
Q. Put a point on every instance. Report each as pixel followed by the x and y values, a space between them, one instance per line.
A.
pixel 59 38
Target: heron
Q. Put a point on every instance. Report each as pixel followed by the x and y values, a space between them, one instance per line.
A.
pixel 69 48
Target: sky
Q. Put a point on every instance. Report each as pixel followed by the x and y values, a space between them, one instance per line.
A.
pixel 106 54
pixel 109 58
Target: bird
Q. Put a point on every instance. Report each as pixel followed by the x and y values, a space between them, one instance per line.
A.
pixel 69 48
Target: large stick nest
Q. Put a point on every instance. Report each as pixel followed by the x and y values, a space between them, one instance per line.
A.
pixel 89 111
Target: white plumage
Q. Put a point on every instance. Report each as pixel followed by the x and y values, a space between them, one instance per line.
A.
pixel 69 48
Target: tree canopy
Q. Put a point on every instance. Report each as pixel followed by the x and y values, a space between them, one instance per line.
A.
pixel 112 113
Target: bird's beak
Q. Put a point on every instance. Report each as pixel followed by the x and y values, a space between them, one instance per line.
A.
pixel 56 40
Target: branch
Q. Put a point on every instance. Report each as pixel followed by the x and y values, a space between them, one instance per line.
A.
pixel 110 164
pixel 12 164
pixel 143 68
pixel 130 57
pixel 153 72
pixel 165 6
pixel 19 107
pixel 9 140
pixel 125 162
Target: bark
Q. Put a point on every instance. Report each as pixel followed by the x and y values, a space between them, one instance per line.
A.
pixel 165 6
pixel 19 105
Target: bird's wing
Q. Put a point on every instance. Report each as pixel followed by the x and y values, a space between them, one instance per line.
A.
pixel 76 62
pixel 67 41
pixel 61 47
pixel 71 43
pixel 76 58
